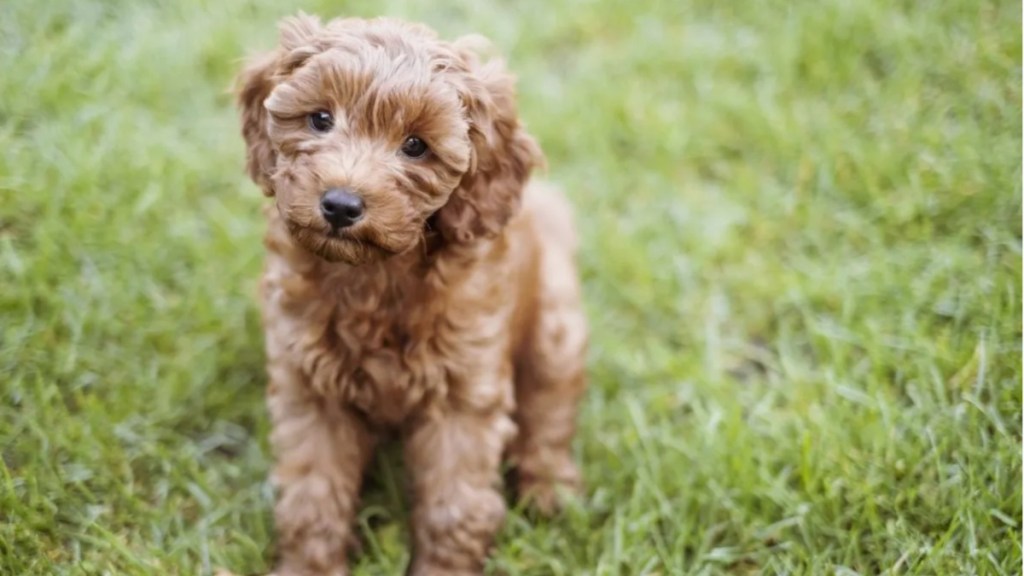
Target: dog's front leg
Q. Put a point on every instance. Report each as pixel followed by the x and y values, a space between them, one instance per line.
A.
pixel 454 458
pixel 322 451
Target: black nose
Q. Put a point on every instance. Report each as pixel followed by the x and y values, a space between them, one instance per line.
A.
pixel 341 207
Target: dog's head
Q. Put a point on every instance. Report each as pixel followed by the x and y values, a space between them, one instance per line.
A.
pixel 369 132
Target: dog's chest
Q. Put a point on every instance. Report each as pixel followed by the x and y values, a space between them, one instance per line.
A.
pixel 391 339
pixel 369 350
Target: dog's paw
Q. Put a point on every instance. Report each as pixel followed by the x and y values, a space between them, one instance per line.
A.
pixel 550 495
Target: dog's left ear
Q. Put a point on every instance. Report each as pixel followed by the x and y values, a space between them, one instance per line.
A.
pixel 503 154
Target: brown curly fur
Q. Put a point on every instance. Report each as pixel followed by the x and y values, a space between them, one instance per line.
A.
pixel 450 314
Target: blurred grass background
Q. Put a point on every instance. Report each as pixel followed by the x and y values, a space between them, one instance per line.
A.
pixel 802 257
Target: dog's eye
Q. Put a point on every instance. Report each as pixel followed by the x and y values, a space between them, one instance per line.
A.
pixel 413 147
pixel 321 121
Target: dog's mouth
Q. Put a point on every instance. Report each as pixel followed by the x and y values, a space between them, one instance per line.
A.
pixel 339 245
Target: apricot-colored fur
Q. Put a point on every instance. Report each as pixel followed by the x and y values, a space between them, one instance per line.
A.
pixel 450 314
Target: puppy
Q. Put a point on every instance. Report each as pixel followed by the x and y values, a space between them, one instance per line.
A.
pixel 414 284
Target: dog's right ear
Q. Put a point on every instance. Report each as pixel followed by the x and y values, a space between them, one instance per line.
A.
pixel 255 83
pixel 298 35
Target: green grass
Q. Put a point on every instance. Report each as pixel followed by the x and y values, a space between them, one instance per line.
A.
pixel 802 258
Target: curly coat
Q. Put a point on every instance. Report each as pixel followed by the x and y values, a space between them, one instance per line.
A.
pixel 449 314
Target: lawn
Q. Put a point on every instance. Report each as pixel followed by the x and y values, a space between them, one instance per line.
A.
pixel 801 233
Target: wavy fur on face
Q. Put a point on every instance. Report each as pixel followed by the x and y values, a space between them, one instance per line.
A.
pixel 384 81
pixel 450 314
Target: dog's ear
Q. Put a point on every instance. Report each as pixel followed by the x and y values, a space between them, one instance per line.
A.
pixel 503 154
pixel 255 83
pixel 254 86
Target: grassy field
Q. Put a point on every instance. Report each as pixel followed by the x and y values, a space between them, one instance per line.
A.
pixel 802 257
